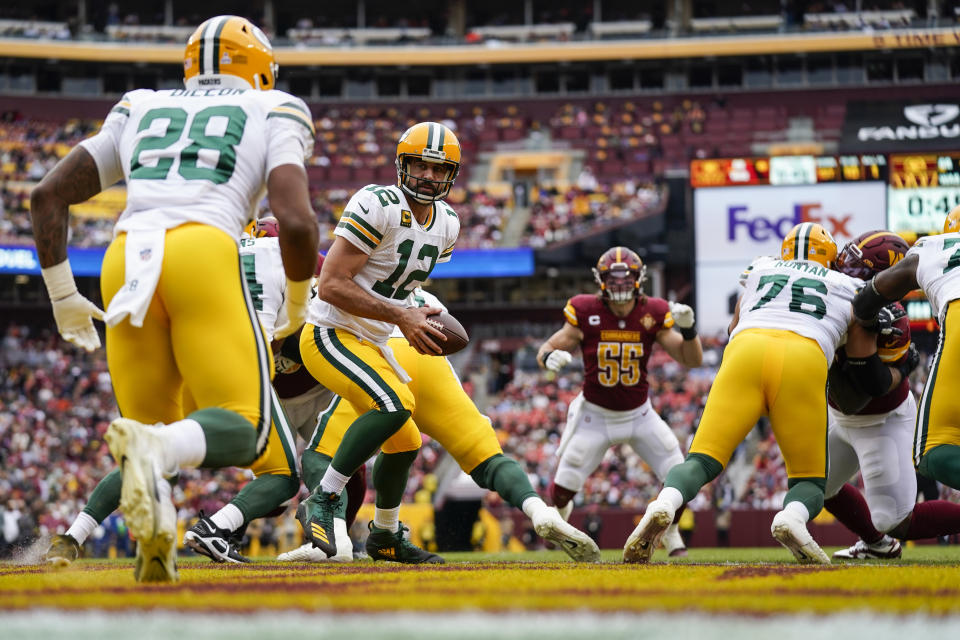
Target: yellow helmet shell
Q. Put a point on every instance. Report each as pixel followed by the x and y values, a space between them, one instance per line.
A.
pixel 809 241
pixel 952 223
pixel 430 142
pixel 231 45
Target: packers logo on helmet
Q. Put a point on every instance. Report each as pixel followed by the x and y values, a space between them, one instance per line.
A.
pixel 809 241
pixel 952 223
pixel 430 142
pixel 871 253
pixel 619 272
pixel 230 45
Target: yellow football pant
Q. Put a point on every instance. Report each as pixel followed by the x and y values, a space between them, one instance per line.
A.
pixel 200 332
pixel 938 417
pixel 442 411
pixel 778 374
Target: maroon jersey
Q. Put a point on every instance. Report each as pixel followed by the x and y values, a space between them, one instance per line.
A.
pixel 616 350
pixel 891 351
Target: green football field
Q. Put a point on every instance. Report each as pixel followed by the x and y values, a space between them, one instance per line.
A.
pixel 713 593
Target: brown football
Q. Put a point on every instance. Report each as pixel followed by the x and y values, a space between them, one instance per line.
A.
pixel 456 335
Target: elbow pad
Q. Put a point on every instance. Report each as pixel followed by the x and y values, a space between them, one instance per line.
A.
pixel 870 374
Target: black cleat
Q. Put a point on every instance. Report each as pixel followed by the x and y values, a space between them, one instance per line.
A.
pixel 383 544
pixel 217 544
pixel 316 515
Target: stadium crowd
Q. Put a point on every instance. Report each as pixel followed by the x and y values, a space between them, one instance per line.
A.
pixel 58 403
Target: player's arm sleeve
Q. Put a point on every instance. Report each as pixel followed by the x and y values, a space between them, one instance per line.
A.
pixel 363 222
pixel 104 146
pixel 570 314
pixel 290 133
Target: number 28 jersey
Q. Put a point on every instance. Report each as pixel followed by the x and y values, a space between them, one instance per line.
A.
pixel 937 271
pixel 403 253
pixel 198 155
pixel 616 350
pixel 799 296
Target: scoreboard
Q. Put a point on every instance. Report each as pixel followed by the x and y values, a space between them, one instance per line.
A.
pixel 923 188
pixel 787 170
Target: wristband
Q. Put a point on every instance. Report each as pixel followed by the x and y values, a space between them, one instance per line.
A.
pixel 546 355
pixel 689 333
pixel 59 281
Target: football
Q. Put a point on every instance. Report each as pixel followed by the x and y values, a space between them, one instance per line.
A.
pixel 456 335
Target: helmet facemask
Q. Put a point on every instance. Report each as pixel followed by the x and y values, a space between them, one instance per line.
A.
pixel 620 283
pixel 851 262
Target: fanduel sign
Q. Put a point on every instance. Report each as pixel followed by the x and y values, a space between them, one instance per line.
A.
pixel 890 126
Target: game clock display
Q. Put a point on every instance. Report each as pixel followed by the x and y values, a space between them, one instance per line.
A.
pixel 923 188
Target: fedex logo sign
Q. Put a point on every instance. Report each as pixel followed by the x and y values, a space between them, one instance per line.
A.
pixel 742 224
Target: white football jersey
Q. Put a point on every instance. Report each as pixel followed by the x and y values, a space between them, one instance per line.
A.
pixel 266 280
pixel 379 222
pixel 937 270
pixel 198 155
pixel 799 296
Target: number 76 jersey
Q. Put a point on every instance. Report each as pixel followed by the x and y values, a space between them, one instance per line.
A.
pixel 799 296
pixel 403 253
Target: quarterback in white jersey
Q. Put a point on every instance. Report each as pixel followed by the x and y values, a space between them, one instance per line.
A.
pixel 792 315
pixel 388 241
pixel 180 322
pixel 931 264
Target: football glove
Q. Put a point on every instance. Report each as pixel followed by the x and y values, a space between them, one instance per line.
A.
pixel 73 313
pixel 557 360
pixel 682 315
pixel 910 361
pixel 297 297
pixel 886 319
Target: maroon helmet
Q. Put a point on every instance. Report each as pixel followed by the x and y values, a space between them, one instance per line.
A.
pixel 871 253
pixel 620 272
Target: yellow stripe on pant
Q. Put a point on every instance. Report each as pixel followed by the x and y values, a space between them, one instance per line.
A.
pixel 200 332
pixel 938 416
pixel 775 373
pixel 442 411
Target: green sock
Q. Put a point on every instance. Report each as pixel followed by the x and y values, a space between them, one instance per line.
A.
pixel 231 439
pixel 689 476
pixel 105 498
pixel 390 474
pixel 364 437
pixel 264 494
pixel 505 476
pixel 942 463
pixel 807 491
pixel 314 466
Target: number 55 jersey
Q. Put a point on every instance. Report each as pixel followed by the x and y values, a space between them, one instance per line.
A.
pixel 799 296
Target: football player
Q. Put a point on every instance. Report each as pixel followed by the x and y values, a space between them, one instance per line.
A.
pixel 180 321
pixel 931 264
pixel 872 415
pixel 615 330
pixel 443 411
pixel 785 329
pixel 387 242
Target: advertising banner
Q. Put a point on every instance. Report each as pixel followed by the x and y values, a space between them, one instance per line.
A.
pixel 895 126
pixel 734 225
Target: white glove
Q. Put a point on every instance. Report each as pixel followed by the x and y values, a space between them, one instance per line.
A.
pixel 73 313
pixel 558 359
pixel 682 315
pixel 297 298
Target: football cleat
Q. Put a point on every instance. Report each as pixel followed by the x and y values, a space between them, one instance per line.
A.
pixel 673 542
pixel 646 537
pixel 304 553
pixel 792 533
pixel 316 515
pixel 308 553
pixel 886 548
pixel 550 525
pixel 145 500
pixel 209 540
pixel 383 544
pixel 63 550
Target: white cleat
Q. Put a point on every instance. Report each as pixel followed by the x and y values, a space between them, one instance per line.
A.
pixel 551 526
pixel 673 542
pixel 886 549
pixel 792 533
pixel 646 537
pixel 309 553
pixel 145 500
